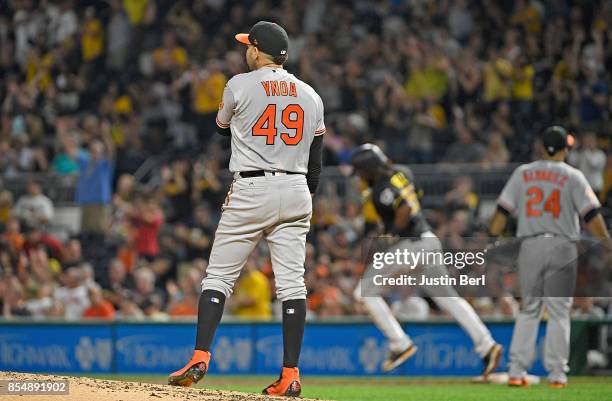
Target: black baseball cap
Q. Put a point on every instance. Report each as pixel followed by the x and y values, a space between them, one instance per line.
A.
pixel 268 37
pixel 556 138
pixel 368 157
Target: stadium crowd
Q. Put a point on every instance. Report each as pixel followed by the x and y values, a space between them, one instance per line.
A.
pixel 92 90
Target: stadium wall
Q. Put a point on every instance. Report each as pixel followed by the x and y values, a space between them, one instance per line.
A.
pixel 336 348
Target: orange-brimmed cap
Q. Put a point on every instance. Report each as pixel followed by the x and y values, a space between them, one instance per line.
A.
pixel 243 38
pixel 269 37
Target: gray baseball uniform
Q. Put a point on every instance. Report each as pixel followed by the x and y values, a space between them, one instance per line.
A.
pixel 547 198
pixel 273 118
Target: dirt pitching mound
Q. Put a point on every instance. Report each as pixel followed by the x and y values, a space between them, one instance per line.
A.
pixel 86 389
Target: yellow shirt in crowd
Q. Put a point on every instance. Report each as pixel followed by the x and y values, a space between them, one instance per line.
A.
pixel 530 18
pixel 496 80
pixel 92 41
pixel 135 9
pixel 426 82
pixel 522 83
pixel 168 59
pixel 254 285
pixel 208 93
pixel 38 68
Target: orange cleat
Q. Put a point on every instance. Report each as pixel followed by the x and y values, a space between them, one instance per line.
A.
pixel 287 385
pixel 518 382
pixel 556 384
pixel 193 372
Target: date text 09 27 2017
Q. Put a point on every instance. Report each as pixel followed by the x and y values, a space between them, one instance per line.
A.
pixel 31 387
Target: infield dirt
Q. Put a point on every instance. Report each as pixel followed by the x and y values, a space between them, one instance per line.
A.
pixel 86 389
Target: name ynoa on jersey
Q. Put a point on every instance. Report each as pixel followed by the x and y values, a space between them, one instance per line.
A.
pixel 279 88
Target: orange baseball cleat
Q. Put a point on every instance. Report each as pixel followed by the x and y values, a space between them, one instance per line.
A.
pixel 288 384
pixel 556 384
pixel 193 372
pixel 518 382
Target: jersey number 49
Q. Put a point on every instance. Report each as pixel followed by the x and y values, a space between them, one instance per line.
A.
pixel 292 118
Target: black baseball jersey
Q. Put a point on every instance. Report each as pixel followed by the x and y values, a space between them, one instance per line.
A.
pixel 391 193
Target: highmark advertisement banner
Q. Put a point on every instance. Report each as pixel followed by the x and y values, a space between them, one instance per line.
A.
pixel 239 348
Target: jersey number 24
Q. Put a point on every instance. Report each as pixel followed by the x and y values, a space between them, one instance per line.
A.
pixel 535 195
pixel 292 118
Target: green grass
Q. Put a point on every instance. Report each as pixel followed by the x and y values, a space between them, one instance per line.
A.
pixel 410 388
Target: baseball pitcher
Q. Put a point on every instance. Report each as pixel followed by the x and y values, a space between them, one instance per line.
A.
pixel 393 194
pixel 276 125
pixel 548 197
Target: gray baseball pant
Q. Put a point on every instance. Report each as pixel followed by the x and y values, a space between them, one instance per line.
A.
pixel 277 208
pixel 547 277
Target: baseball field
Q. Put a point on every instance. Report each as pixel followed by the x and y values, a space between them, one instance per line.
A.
pixel 416 388
pixel 242 388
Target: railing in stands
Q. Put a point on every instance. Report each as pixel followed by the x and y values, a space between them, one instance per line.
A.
pixel 435 179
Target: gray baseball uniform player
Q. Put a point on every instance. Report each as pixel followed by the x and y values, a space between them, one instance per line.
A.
pixel 547 197
pixel 276 125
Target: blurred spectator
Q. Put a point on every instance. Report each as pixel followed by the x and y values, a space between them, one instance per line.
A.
pixel 92 36
pixel 198 235
pixel 12 234
pixel 65 23
pixel 94 186
pixel 72 255
pixel 6 206
pixel 34 207
pixel 146 218
pixel 119 37
pixel 508 307
pixel 461 196
pixel 589 159
pixel 206 90
pixel 585 307
pixel 42 303
pixel 177 187
pixel 465 149
pixel 99 307
pixel 123 198
pixel 66 160
pixel 523 86
pixel 130 311
pixel 144 292
pixel 13 298
pixel 118 283
pixel 496 154
pixel 170 58
pixel 36 239
pixel 183 299
pixel 594 96
pixel 206 184
pixel 73 295
pixel 251 296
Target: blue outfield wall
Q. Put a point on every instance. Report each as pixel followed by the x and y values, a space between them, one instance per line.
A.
pixel 240 348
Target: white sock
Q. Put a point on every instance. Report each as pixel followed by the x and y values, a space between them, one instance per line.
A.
pixel 387 323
